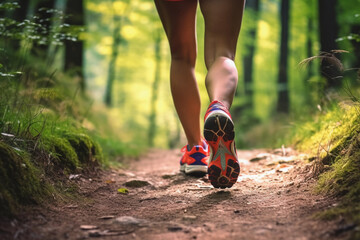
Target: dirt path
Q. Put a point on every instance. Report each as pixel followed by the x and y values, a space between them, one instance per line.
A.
pixel 272 200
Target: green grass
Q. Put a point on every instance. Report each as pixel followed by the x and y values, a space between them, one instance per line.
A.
pixel 46 135
pixel 333 138
pixel 49 128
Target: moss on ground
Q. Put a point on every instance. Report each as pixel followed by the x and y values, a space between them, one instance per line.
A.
pixel 343 180
pixel 62 153
pixel 26 178
pixel 335 141
pixel 87 150
pixel 330 134
pixel 20 181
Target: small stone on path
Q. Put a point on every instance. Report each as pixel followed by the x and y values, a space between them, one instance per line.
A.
pixel 88 227
pixel 128 220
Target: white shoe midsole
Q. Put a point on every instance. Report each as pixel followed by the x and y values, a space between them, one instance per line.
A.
pixel 193 168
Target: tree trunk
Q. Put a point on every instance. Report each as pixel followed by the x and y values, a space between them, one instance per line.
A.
pixel 247 100
pixel 174 136
pixel 248 59
pixel 328 33
pixel 155 87
pixel 20 14
pixel 283 92
pixel 309 46
pixel 55 49
pixel 74 50
pixel 112 65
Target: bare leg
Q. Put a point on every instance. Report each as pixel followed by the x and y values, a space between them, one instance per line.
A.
pixel 222 25
pixel 178 19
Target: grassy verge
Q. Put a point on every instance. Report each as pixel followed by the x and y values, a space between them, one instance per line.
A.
pixel 49 130
pixel 333 139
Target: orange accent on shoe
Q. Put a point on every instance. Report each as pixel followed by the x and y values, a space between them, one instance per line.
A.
pixel 195 159
pixel 219 132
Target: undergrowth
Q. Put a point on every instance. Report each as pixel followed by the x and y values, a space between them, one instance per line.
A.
pixel 43 139
pixel 46 134
pixel 49 128
pixel 332 139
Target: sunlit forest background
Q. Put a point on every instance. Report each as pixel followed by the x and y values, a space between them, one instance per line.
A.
pixel 117 53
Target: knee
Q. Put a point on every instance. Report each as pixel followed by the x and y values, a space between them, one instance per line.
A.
pixel 183 51
pixel 217 49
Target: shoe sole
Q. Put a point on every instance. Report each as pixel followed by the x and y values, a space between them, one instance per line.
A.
pixel 218 126
pixel 193 169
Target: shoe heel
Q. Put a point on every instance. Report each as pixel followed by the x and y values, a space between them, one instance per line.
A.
pixel 221 126
pixel 217 126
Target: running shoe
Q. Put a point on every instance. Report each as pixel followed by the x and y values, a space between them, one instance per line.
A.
pixel 219 133
pixel 195 159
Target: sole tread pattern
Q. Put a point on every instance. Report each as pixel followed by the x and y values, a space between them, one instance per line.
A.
pixel 220 128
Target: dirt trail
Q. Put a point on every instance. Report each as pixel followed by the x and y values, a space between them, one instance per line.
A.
pixel 273 199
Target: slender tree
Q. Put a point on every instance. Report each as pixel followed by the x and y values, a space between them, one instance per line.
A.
pixel 248 58
pixel 309 45
pixel 244 111
pixel 155 87
pixel 283 93
pixel 112 65
pixel 328 33
pixel 74 49
pixel 20 14
pixel 118 19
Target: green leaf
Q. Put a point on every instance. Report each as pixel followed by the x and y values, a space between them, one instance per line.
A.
pixel 123 191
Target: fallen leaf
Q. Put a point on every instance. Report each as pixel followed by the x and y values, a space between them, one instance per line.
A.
pixel 123 191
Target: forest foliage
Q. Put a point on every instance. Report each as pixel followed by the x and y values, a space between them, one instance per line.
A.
pixel 122 60
pixel 132 29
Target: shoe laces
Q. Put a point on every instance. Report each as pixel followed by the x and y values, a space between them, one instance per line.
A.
pixel 204 146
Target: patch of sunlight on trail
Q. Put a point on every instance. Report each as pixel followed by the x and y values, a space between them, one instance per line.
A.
pixel 275 164
pixel 258 177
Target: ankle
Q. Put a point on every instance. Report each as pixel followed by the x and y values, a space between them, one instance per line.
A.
pixel 195 143
pixel 223 103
